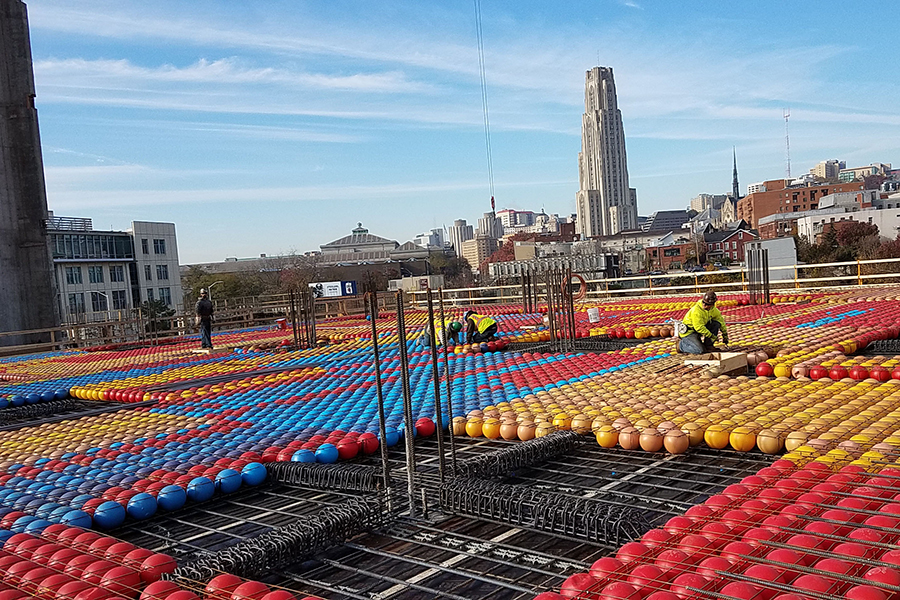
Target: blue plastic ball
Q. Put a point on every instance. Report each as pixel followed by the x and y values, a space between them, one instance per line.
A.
pixel 48 396
pixel 17 400
pixel 228 481
pixel 303 455
pixel 32 398
pixel 77 518
pixel 61 394
pixel 141 506
pixel 255 473
pixel 391 437
pixel 327 453
pixel 201 489
pixel 109 514
pixel 37 526
pixel 171 497
pixel 22 522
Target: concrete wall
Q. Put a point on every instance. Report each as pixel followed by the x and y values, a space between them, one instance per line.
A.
pixel 27 294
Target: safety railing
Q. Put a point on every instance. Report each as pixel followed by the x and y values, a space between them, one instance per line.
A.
pixel 859 273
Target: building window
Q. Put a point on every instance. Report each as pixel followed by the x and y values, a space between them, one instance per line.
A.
pixel 117 273
pixel 95 246
pixel 147 274
pixel 119 300
pixel 162 271
pixel 734 255
pixel 73 277
pixel 95 274
pixel 165 295
pixel 98 302
pixel 76 303
pixel 150 294
pixel 718 245
pixel 159 246
pixel 733 245
pixel 145 246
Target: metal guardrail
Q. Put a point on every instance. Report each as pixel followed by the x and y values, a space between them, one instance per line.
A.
pixel 600 289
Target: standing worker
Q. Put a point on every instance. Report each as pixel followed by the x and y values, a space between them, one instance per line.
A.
pixel 204 312
pixel 703 323
pixel 479 328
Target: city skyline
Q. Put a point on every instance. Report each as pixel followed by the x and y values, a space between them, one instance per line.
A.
pixel 277 128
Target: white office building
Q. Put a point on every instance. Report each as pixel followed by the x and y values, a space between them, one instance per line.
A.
pixel 458 233
pixel 101 275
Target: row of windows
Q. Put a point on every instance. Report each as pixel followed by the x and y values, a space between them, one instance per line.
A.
pixel 162 272
pixel 165 294
pixel 719 245
pixel 159 246
pixel 95 274
pixel 73 246
pixel 99 301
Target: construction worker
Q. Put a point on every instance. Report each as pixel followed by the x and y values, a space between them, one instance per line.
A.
pixel 479 328
pixel 702 325
pixel 450 331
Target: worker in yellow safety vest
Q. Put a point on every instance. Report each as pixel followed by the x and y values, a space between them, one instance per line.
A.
pixel 702 325
pixel 479 328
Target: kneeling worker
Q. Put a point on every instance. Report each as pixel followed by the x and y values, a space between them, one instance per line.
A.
pixel 704 322
pixel 479 328
pixel 449 332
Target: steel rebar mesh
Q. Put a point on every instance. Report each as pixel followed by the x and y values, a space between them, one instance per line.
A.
pixel 259 556
pixel 36 411
pixel 343 477
pixel 506 460
pixel 589 519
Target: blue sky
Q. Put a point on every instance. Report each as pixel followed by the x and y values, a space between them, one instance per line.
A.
pixel 271 127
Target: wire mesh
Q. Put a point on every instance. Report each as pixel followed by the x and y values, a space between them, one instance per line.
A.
pixel 346 477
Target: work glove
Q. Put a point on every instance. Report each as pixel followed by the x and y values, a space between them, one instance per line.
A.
pixel 725 338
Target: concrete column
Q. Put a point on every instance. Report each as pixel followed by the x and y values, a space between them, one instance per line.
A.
pixel 27 286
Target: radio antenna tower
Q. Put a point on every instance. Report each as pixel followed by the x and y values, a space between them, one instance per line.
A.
pixel 787 143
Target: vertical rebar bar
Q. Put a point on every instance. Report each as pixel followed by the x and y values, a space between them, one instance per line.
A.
pixel 766 288
pixel 571 305
pixel 376 364
pixel 436 378
pixel 551 310
pixel 312 318
pixel 449 388
pixel 294 319
pixel 409 426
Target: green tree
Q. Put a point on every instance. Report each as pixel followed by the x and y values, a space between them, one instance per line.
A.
pixel 456 270
pixel 158 316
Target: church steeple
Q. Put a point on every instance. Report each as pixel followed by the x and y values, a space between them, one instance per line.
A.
pixel 735 189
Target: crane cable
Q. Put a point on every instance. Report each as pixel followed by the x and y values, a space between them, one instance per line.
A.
pixel 484 99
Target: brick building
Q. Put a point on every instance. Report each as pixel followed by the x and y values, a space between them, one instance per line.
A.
pixel 728 244
pixel 672 256
pixel 775 197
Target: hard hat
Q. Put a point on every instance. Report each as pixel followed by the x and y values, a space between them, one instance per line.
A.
pixel 203 291
pixel 709 298
pixel 455 325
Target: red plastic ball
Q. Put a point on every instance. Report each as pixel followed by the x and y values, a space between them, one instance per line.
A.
pixel 160 590
pixel 425 427
pixel 250 590
pixel 155 566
